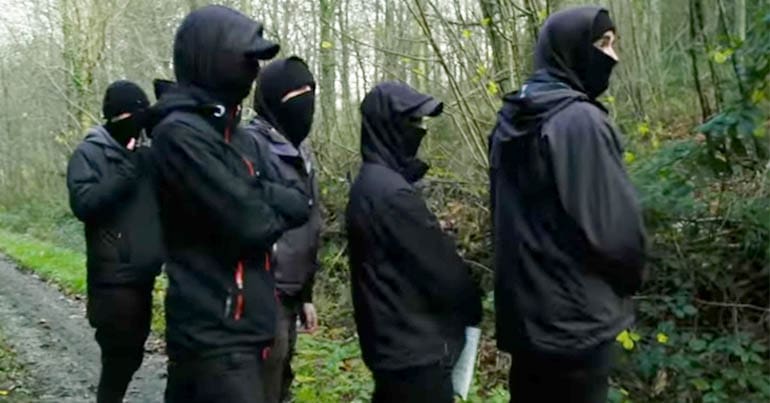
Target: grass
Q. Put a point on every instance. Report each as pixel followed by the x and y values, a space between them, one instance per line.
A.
pixel 64 267
pixel 13 377
pixel 330 371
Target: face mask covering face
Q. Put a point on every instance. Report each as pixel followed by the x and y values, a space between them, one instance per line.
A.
pixel 295 116
pixel 414 132
pixel 124 130
pixel 600 68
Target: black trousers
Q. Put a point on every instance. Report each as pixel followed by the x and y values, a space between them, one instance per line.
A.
pixel 432 384
pixel 538 378
pixel 226 378
pixel 277 373
pixel 121 316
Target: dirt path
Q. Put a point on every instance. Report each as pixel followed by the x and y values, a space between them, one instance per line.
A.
pixel 54 342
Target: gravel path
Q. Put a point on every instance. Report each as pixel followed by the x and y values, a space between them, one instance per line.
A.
pixel 54 342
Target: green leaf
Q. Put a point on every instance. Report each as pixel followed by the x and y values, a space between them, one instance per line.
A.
pixel 700 384
pixel 493 88
pixel 690 310
pixel 643 129
pixel 697 345
pixel 326 45
pixel 467 33
pixel 721 56
pixel 625 340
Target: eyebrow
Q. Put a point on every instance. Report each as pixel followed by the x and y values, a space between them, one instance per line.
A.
pixel 296 93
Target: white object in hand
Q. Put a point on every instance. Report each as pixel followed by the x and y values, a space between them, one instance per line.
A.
pixel 462 373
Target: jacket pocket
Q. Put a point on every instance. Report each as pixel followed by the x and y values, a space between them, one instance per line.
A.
pixel 123 245
pixel 113 246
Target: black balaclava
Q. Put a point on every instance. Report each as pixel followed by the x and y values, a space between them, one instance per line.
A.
pixel 566 50
pixel 414 133
pixel 124 97
pixel 391 130
pixel 292 117
pixel 217 49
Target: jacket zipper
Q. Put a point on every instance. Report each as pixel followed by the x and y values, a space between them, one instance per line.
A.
pixel 240 299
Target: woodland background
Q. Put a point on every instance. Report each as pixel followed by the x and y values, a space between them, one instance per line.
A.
pixel 690 95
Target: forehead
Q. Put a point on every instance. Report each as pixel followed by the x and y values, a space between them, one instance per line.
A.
pixel 610 34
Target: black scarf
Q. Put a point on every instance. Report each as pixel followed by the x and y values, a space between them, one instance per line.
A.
pixel 565 49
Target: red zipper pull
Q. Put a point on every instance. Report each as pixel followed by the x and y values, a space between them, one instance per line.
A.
pixel 239 301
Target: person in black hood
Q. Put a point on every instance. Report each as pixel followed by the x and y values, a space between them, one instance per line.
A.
pixel 413 295
pixel 110 187
pixel 568 230
pixel 220 215
pixel 285 103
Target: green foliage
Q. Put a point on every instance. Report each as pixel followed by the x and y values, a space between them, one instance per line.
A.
pixel 330 371
pixel 671 363
pixel 710 234
pixel 737 137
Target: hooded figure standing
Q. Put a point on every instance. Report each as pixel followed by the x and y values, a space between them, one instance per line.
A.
pixel 109 178
pixel 220 215
pixel 569 236
pixel 412 293
pixel 285 103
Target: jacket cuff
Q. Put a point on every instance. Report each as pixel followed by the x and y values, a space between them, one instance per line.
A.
pixel 306 295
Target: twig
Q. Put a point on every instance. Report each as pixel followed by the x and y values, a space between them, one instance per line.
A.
pixel 732 305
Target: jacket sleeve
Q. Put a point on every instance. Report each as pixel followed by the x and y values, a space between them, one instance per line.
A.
pixel 430 255
pixel 306 294
pixel 596 192
pixel 91 191
pixel 255 211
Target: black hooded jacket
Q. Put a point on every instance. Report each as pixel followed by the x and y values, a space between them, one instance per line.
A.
pixel 220 216
pixel 111 191
pixel 412 293
pixel 568 230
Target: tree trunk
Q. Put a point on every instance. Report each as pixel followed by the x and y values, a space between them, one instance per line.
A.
pixel 328 68
pixel 702 98
pixel 740 19
pixel 699 18
pixel 490 11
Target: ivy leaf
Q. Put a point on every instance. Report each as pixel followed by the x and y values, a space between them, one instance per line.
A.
pixel 662 338
pixel 690 310
pixel 467 33
pixel 326 45
pixel 486 22
pixel 697 345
